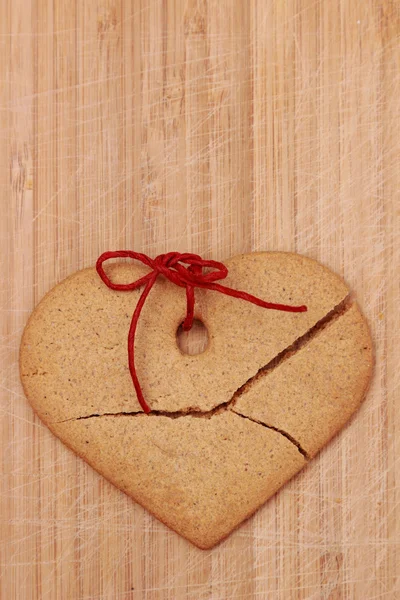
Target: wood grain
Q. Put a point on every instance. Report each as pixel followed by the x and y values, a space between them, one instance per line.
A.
pixel 217 126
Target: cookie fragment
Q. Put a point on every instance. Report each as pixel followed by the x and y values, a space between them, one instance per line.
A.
pixel 79 332
pixel 201 477
pixel 313 392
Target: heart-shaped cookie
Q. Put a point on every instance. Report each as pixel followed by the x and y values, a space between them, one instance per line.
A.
pixel 229 426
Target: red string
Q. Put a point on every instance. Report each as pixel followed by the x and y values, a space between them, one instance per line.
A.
pixel 171 265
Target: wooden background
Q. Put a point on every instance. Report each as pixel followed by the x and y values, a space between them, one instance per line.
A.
pixel 217 126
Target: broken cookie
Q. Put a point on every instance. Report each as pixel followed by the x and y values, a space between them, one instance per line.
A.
pixel 227 427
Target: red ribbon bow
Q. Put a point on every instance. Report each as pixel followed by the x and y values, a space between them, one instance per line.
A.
pixel 171 265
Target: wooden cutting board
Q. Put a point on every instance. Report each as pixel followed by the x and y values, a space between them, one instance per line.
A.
pixel 214 126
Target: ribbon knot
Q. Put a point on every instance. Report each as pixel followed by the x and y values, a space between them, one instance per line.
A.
pixel 186 271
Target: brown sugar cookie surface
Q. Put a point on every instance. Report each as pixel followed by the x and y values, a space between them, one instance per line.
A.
pixel 257 412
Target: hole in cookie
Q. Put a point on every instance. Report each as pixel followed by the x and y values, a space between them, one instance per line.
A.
pixel 194 341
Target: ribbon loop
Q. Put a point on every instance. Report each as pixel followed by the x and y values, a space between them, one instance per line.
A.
pixel 172 267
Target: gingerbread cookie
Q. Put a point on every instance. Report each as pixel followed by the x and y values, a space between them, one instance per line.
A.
pixel 227 427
